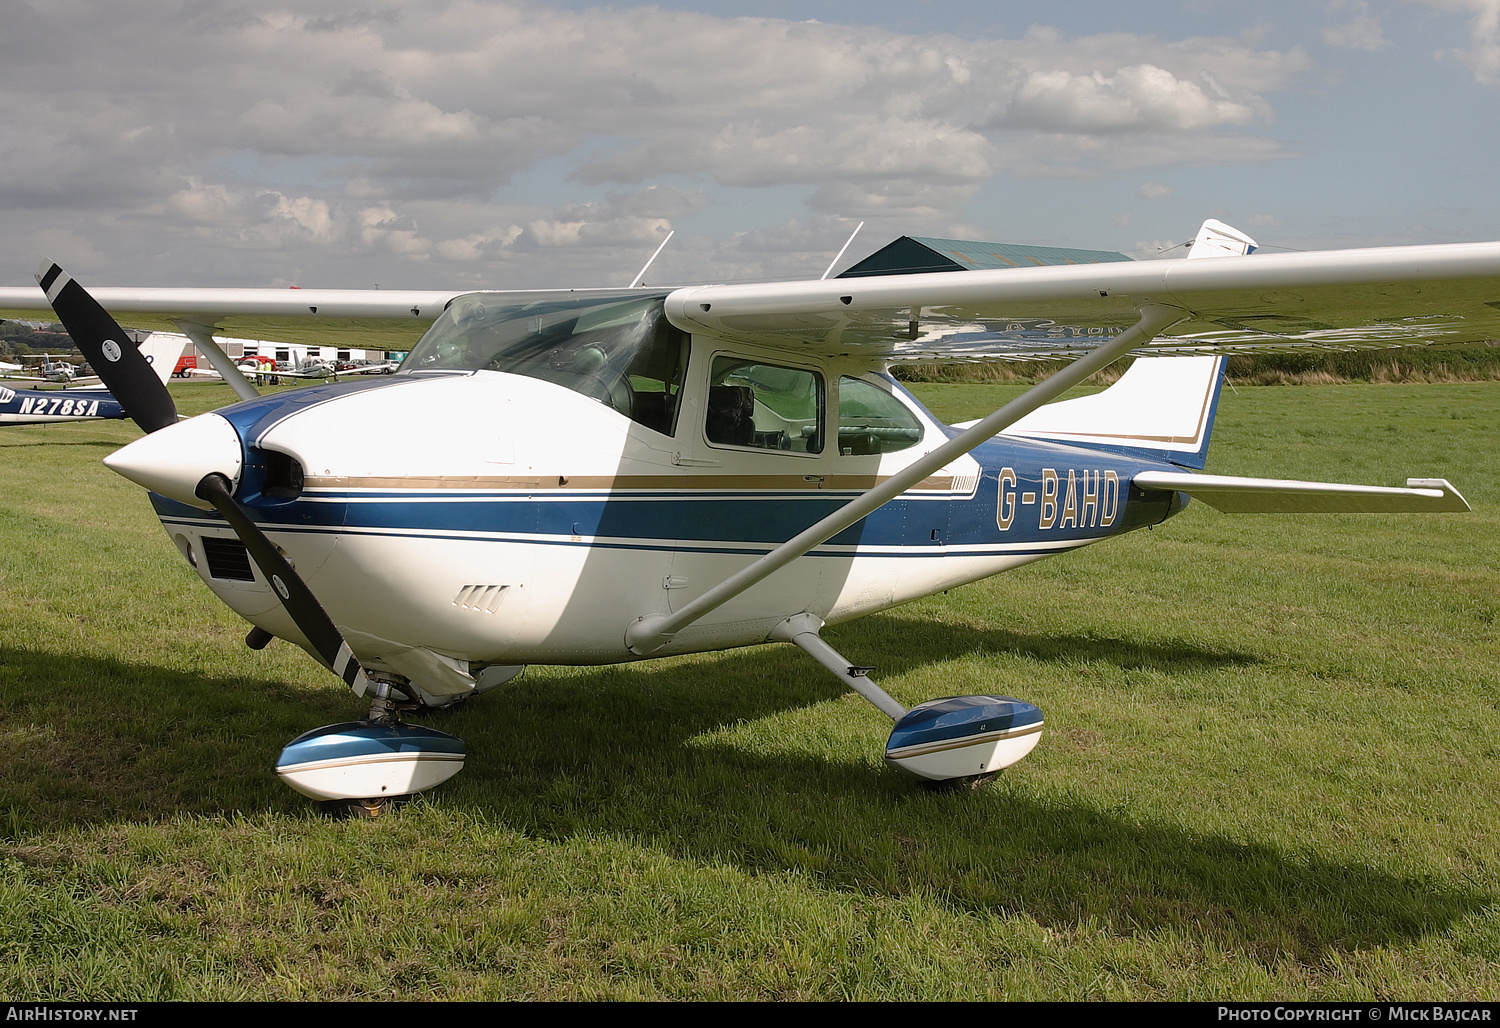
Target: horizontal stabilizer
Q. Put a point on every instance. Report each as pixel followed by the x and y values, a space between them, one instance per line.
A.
pixel 1234 495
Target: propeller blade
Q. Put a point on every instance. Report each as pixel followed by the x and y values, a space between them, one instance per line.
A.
pixel 116 360
pixel 296 597
pixel 127 373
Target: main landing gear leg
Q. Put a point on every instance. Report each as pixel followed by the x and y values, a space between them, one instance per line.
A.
pixel 363 769
pixel 959 740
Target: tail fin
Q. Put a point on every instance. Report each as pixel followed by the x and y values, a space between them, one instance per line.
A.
pixel 161 350
pixel 1216 239
pixel 1162 408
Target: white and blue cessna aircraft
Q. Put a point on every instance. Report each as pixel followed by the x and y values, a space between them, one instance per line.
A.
pixel 50 406
pixel 42 406
pixel 599 476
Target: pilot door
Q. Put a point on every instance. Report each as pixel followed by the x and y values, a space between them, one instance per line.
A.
pixel 754 448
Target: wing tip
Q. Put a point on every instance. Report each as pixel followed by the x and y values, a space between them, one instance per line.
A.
pixel 1455 499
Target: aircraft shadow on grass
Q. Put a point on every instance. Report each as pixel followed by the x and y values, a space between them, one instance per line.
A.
pixel 621 751
pixel 903 643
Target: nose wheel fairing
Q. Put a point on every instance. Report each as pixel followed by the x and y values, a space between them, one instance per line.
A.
pixel 963 736
pixel 954 739
pixel 369 760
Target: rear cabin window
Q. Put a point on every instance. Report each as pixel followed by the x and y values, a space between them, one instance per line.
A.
pixel 872 420
pixel 764 406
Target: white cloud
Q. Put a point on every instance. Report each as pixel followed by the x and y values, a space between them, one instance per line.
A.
pixel 1361 31
pixel 311 217
pixel 1483 53
pixel 1153 190
pixel 393 134
pixel 66 247
pixel 1079 156
pixel 1141 98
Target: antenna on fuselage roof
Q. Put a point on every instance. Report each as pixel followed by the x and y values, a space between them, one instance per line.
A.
pixel 845 247
pixel 659 249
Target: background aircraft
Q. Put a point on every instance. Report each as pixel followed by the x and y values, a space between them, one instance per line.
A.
pixel 42 406
pixel 597 476
pixel 48 370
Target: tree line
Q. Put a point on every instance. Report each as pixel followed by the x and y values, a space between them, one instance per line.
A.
pixel 18 338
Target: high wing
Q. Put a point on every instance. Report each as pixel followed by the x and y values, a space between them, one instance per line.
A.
pixel 392 319
pixel 1294 302
pixel 1322 301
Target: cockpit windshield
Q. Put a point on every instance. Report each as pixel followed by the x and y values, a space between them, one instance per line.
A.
pixel 616 347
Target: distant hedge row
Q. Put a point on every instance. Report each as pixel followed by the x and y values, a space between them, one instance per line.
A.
pixel 19 338
pixel 1404 364
pixel 1410 363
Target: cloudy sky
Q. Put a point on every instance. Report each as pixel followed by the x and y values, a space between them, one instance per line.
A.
pixel 456 143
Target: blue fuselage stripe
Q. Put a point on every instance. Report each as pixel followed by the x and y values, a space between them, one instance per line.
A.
pixel 1043 516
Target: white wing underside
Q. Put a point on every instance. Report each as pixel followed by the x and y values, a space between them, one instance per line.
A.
pixel 380 318
pixel 1300 302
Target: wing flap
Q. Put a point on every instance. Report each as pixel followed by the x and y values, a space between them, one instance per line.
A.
pixel 1234 495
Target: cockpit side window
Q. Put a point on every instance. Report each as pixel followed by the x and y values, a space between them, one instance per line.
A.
pixel 655 378
pixel 871 420
pixel 764 406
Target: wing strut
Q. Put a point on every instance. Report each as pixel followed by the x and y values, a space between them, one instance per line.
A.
pixel 650 633
pixel 228 370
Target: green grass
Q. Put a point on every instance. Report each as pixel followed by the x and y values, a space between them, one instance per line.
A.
pixel 1268 769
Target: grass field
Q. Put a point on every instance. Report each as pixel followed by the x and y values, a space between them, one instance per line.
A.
pixel 1269 769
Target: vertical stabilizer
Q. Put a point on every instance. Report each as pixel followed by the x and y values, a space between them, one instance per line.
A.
pixel 161 350
pixel 1216 239
pixel 1162 408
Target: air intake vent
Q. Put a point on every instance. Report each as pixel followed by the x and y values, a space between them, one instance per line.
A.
pixel 283 476
pixel 227 558
pixel 482 598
